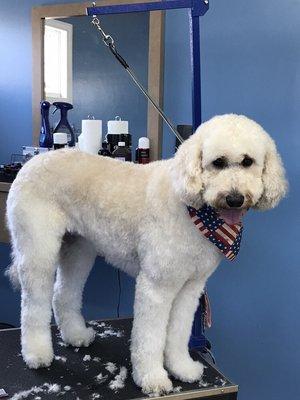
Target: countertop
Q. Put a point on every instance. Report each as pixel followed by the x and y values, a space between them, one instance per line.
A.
pixel 4 186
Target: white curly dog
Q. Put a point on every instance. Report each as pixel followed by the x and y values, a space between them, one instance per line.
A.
pixel 66 207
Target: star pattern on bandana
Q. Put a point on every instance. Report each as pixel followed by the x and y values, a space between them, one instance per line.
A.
pixel 227 238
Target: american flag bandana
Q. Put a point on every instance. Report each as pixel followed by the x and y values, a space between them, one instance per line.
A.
pixel 226 237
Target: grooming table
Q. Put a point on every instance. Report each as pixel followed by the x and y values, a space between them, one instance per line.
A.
pixel 92 372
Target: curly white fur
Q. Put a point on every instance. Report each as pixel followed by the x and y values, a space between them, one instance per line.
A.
pixel 66 207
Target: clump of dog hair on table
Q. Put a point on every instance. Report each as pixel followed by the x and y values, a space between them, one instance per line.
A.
pixel 101 378
pixel 111 367
pixel 60 358
pixel 119 381
pixel 45 388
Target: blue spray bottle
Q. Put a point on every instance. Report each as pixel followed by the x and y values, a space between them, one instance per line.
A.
pixel 46 138
pixel 63 125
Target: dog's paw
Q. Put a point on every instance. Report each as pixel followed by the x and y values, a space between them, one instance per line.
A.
pixel 78 336
pixel 154 383
pixel 37 355
pixel 38 360
pixel 186 370
pixel 37 350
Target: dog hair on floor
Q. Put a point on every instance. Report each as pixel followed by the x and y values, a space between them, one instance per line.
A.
pixel 66 207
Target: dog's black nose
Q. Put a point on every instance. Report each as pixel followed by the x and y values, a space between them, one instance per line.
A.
pixel 235 200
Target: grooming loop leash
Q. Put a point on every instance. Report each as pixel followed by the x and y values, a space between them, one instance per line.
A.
pixel 110 43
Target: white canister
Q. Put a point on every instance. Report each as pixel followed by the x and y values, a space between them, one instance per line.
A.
pixel 91 137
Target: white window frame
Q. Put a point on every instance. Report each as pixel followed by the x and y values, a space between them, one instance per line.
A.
pixel 68 28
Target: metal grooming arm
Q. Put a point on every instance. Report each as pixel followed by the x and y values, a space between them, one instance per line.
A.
pixel 197 8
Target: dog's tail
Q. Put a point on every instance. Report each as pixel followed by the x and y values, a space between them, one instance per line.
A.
pixel 12 273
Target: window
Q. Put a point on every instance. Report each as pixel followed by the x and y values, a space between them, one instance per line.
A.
pixel 58 61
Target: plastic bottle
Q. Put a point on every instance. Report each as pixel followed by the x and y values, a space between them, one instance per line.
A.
pixel 117 131
pixel 46 138
pixel 122 152
pixel 142 153
pixel 104 151
pixel 60 140
pixel 63 125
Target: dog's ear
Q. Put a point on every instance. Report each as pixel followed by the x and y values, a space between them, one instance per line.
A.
pixel 187 172
pixel 275 184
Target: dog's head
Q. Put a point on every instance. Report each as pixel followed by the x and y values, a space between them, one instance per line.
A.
pixel 232 164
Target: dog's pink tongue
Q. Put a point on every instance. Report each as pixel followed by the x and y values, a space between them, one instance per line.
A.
pixel 231 217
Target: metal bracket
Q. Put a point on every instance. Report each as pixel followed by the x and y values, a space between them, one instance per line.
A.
pixel 199 7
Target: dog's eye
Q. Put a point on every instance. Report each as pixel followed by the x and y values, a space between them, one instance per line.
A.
pixel 247 162
pixel 220 163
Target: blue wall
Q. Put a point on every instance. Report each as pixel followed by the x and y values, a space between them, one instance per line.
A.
pixel 250 65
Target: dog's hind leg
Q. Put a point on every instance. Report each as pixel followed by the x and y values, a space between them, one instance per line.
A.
pixel 76 261
pixel 177 358
pixel 37 239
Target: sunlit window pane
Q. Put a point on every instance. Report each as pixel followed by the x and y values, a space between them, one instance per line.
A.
pixel 57 59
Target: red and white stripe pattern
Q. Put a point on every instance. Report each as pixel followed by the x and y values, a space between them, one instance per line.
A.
pixel 226 237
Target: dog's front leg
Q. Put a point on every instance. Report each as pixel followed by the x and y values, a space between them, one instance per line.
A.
pixel 153 301
pixel 177 358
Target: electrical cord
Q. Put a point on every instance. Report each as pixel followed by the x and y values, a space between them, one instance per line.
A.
pixel 119 293
pixel 5 325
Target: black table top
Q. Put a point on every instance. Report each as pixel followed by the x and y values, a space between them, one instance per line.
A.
pixel 92 372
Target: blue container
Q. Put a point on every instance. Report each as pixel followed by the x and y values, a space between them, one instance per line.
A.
pixel 46 138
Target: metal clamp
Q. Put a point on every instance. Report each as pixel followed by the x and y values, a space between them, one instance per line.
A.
pixel 107 39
